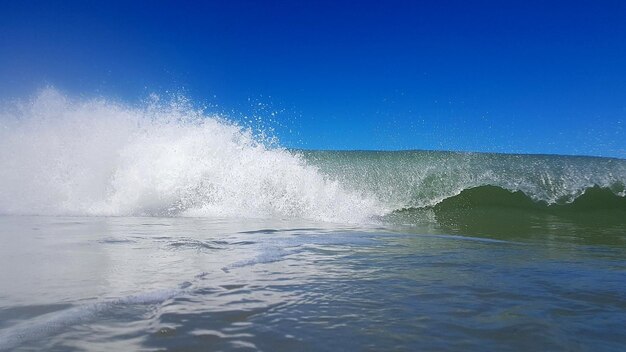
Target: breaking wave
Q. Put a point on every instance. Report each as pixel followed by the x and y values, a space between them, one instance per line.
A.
pixel 426 179
pixel 61 156
pixel 94 157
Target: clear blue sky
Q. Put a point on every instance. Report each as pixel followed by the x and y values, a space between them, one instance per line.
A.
pixel 505 76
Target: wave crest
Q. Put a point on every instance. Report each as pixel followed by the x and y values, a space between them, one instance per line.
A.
pixel 96 157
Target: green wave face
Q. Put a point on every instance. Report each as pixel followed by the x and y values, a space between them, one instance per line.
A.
pixel 493 195
pixel 593 199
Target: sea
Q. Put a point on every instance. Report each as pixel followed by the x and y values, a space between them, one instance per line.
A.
pixel 160 227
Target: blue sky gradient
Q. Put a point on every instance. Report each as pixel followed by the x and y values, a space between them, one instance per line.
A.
pixel 498 76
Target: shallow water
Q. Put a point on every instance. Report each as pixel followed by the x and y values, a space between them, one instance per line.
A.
pixel 196 284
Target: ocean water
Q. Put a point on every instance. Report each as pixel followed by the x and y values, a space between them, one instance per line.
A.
pixel 160 227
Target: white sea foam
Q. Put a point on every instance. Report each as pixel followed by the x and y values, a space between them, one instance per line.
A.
pixel 61 156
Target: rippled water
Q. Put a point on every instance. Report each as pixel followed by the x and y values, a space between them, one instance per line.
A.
pixel 190 284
